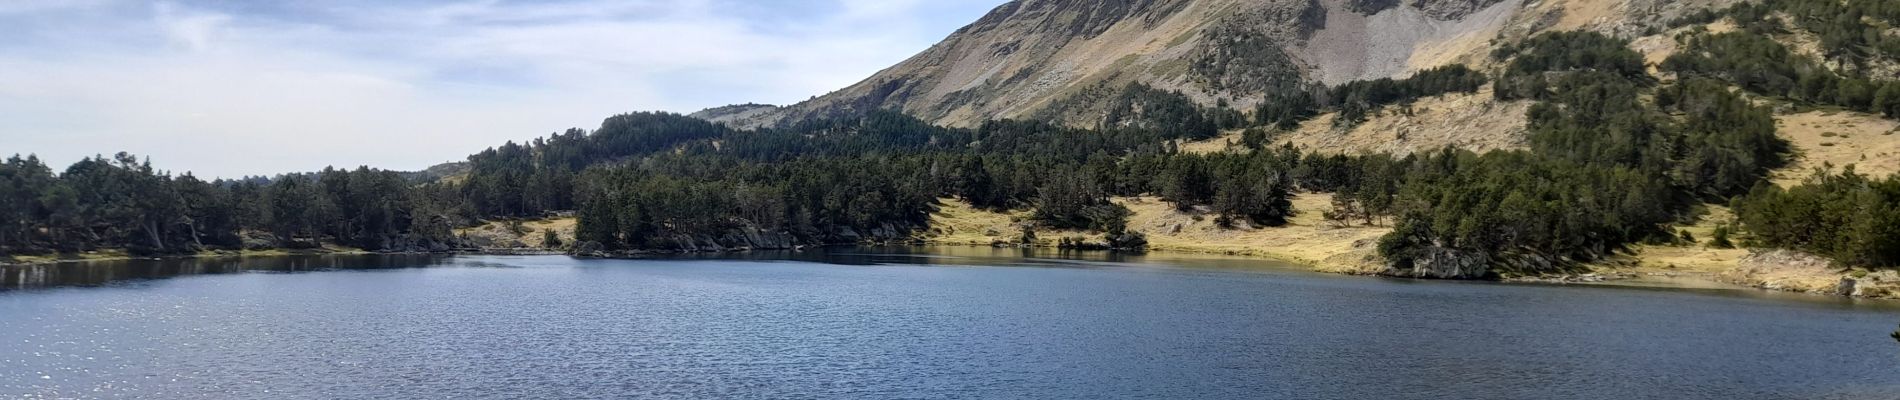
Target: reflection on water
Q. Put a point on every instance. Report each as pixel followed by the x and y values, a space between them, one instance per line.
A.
pixel 95 273
pixel 927 255
pixel 995 256
pixel 1059 258
pixel 948 322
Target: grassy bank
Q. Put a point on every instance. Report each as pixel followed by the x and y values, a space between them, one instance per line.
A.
pixel 1306 239
pixel 1310 241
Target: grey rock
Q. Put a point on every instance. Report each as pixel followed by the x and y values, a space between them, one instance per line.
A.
pixel 1443 263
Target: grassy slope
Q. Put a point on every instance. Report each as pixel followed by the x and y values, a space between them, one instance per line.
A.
pixel 497 235
pixel 1472 121
pixel 1786 271
pixel 1305 240
pixel 956 222
pixel 1839 138
pixel 1820 138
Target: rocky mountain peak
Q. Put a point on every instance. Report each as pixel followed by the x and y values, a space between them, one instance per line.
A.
pixel 1029 56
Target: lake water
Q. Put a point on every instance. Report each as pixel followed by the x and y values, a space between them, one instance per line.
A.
pixel 904 323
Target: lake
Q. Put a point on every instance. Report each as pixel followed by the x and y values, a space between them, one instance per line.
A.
pixel 904 323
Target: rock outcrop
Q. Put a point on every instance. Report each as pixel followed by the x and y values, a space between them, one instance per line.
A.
pixel 1442 263
pixel 1793 271
pixel 736 114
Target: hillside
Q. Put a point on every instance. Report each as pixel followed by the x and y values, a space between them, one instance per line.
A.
pixel 1471 121
pixel 1206 126
pixel 1824 139
pixel 1028 54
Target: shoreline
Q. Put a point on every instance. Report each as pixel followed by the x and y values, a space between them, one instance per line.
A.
pixel 1634 276
pixel 1356 264
pixel 115 255
pixel 1318 245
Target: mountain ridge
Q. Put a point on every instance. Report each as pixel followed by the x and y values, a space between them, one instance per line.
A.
pixel 1027 55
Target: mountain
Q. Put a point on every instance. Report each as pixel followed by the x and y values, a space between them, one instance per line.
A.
pixel 1638 127
pixel 1027 56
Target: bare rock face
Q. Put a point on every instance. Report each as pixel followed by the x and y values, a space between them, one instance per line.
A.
pixel 1026 55
pixel 1801 272
pixel 1880 285
pixel 1029 56
pixel 1088 18
pixel 1451 9
pixel 737 114
pixel 1005 64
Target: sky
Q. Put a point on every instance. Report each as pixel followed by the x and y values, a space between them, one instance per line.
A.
pixel 230 88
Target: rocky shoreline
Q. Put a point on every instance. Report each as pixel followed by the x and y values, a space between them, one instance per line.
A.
pixel 1770 270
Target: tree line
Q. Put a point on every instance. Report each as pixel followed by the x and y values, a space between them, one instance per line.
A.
pixel 1845 216
pixel 1606 168
pixel 1354 101
pixel 123 202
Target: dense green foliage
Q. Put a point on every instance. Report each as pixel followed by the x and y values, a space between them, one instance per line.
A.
pixel 121 202
pixel 526 180
pixel 1238 57
pixel 1238 187
pixel 1605 169
pixel 818 193
pixel 670 202
pixel 1075 200
pixel 1354 99
pixel 1765 66
pixel 1524 210
pixel 1147 108
pixel 1139 107
pixel 1727 144
pixel 1853 37
pixel 836 180
pixel 1563 55
pixel 1847 217
pixel 1285 109
pixel 1842 25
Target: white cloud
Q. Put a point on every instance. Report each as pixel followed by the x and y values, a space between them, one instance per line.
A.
pixel 237 91
pixel 193 30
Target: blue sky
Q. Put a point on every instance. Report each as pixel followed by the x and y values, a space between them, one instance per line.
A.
pixel 228 88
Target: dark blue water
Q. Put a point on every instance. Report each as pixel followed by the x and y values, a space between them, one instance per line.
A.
pixel 947 323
